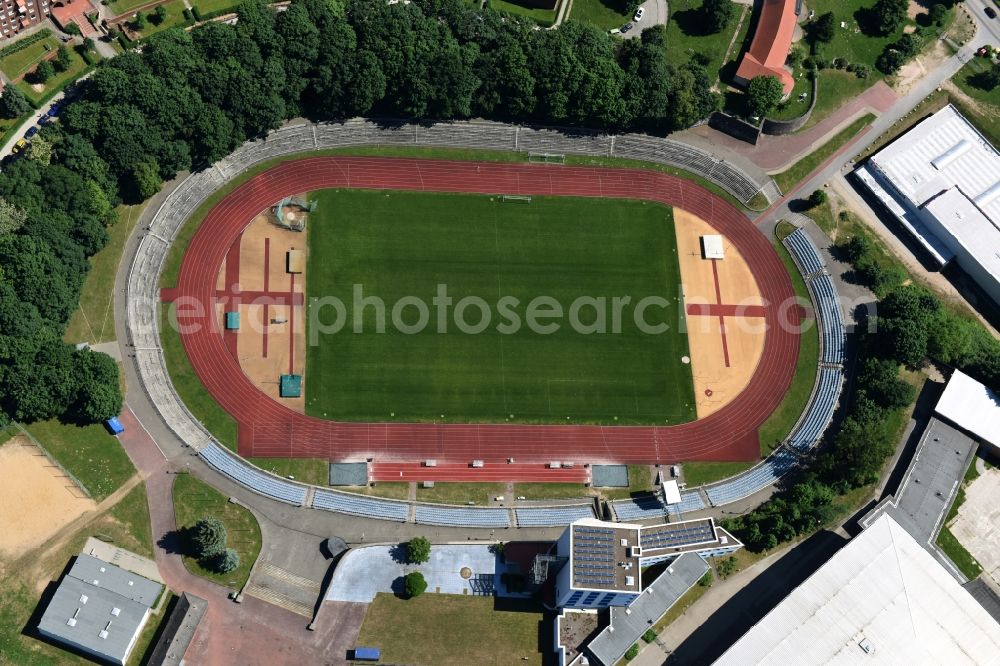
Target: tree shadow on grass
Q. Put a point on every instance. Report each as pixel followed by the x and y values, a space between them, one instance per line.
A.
pixel 692 22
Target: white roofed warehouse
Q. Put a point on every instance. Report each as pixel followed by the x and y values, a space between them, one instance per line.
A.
pixel 941 181
pixel 882 599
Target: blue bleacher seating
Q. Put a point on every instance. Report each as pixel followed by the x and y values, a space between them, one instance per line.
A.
pixel 804 251
pixel 757 478
pixel 251 477
pixel 650 506
pixel 819 411
pixel 358 505
pixel 552 516
pixel 831 320
pixel 461 516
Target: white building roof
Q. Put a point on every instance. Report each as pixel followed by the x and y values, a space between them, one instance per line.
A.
pixel 712 247
pixel 971 406
pixel 671 492
pixel 881 591
pixel 941 152
pixel 947 168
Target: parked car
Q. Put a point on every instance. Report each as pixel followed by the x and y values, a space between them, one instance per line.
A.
pixel 990 12
pixel 19 146
pixel 639 13
pixel 627 27
pixel 32 131
pixel 54 109
pixel 44 120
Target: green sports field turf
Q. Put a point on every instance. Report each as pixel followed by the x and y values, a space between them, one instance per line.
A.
pixel 401 244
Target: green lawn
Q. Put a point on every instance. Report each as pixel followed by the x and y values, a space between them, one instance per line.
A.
pixel 193 500
pixel 685 36
pixel 461 493
pixel 119 7
pixel 39 93
pixel 306 470
pixel 451 629
pixel 395 245
pixel 790 177
pixel 89 453
pixel 543 17
pixel 21 62
pixel 93 320
pixel 175 17
pixel 701 473
pixel 539 491
pixel 211 6
pixel 605 14
pixel 387 489
pixel 779 424
pixel 985 112
pixel 189 387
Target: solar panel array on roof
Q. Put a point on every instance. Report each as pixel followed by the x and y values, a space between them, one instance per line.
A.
pixel 670 536
pixel 593 556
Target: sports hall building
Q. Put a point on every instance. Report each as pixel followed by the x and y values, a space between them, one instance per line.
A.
pixel 941 181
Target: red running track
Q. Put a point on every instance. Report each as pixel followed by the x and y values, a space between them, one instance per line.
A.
pixel 267 428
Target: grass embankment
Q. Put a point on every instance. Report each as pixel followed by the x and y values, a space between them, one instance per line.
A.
pixel 93 320
pixel 448 629
pixel 701 473
pixel 87 452
pixel 193 500
pixel 306 470
pixel 790 177
pixel 498 365
pixel 189 387
pixel 947 541
pixel 125 525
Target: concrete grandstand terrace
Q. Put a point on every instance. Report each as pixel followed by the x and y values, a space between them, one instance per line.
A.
pixel 267 428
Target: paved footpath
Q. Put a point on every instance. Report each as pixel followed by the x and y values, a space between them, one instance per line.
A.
pixel 253 632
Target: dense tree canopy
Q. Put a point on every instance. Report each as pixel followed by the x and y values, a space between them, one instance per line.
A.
pixel 763 94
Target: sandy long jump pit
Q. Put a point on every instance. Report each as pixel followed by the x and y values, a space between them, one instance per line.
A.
pixel 254 281
pixel 37 499
pixel 723 316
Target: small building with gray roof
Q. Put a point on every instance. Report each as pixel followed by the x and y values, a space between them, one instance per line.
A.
pixel 99 609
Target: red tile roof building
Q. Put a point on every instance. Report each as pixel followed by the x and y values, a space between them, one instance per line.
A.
pixel 771 42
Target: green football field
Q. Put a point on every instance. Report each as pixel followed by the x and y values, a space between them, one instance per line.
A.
pixel 402 245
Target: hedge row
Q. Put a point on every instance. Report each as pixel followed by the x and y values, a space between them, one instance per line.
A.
pixel 25 43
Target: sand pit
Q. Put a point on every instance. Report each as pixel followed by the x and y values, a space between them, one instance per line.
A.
pixel 722 360
pixel 254 281
pixel 36 498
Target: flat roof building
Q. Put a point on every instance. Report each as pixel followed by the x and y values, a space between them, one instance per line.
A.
pixel 603 561
pixel 971 406
pixel 928 489
pixel 99 609
pixel 881 598
pixel 627 625
pixel 941 181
